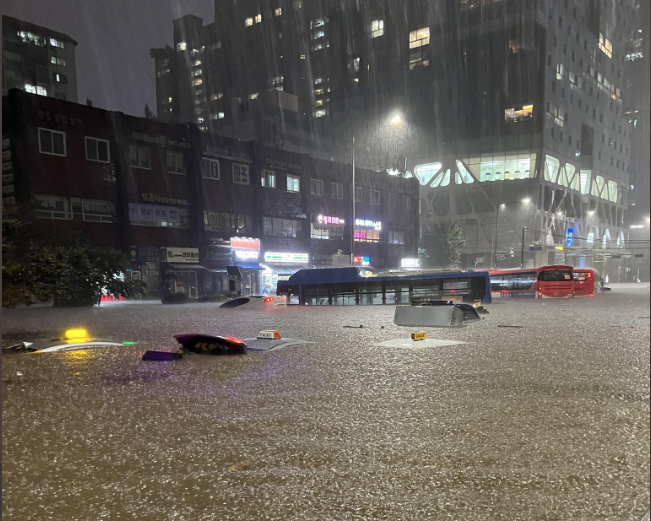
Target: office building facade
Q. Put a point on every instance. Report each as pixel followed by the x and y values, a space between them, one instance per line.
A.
pixel 510 113
pixel 199 213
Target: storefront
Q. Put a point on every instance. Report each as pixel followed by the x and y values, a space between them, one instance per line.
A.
pixel 246 256
pixel 180 271
pixel 215 258
pixel 146 266
pixel 280 266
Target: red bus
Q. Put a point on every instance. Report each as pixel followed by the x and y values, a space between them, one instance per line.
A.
pixel 585 280
pixel 546 281
pixel 555 281
pixel 516 283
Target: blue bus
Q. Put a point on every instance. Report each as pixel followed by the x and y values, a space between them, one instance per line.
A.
pixel 361 286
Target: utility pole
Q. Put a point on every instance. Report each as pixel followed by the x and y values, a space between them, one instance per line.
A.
pixel 522 249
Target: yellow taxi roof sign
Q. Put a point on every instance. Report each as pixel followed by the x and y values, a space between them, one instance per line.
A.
pixel 421 335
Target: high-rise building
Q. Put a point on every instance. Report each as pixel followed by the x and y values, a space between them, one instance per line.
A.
pixel 510 113
pixel 38 60
pixel 637 110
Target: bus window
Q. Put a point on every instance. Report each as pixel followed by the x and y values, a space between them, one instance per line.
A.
pixel 555 276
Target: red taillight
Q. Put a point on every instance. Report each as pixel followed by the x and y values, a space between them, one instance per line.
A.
pixel 453 291
pixel 268 299
pixel 283 299
pixel 589 274
pixel 592 294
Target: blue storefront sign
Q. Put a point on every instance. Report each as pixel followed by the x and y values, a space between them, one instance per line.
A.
pixel 570 237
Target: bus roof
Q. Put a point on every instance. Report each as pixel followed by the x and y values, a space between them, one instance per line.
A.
pixel 354 274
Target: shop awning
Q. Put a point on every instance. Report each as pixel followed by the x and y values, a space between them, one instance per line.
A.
pixel 288 269
pixel 184 266
pixel 250 266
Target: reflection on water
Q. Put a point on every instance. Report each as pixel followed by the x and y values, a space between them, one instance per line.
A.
pixel 542 422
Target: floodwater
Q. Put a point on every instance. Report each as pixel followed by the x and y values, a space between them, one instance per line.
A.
pixel 545 422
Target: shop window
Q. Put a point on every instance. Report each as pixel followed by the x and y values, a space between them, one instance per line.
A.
pixel 375 197
pixel 366 235
pixel 159 216
pixel 233 223
pixel 268 178
pixel 359 194
pixel 209 168
pixel 52 207
pixel 327 231
pixel 276 227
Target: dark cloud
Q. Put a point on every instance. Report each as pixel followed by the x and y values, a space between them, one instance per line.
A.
pixel 113 64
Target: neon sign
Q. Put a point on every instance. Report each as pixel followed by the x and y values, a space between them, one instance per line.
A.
pixel 286 258
pixel 327 219
pixel 360 235
pixel 362 261
pixel 366 223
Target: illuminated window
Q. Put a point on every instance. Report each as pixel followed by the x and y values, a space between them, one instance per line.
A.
pixel 318 92
pixel 197 72
pixel 41 91
pixel 268 179
pixel 217 96
pixel 320 113
pixel 377 28
pixel 219 115
pixel 248 22
pixel 318 34
pixel 196 63
pixel 278 11
pixel 419 38
pixel 181 46
pixel 258 18
pixel 302 56
pixel 396 237
pixel 293 183
pixel 56 43
pixel 559 71
pixel 55 60
pixel 513 116
pixel 319 102
pixel 196 83
pixel 605 46
pixel 254 95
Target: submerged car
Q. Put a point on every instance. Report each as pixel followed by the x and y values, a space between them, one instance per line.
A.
pixel 256 302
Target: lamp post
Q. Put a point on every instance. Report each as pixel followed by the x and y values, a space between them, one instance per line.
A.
pixel 500 206
pixel 395 119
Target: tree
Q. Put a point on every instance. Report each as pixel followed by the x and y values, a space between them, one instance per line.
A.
pixel 75 273
pixel 439 247
pixel 148 113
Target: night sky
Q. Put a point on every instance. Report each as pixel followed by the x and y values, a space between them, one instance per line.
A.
pixel 114 37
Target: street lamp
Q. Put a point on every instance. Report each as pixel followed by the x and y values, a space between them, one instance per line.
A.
pixel 395 119
pixel 525 201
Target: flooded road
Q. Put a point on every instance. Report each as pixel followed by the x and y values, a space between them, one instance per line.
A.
pixel 545 422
